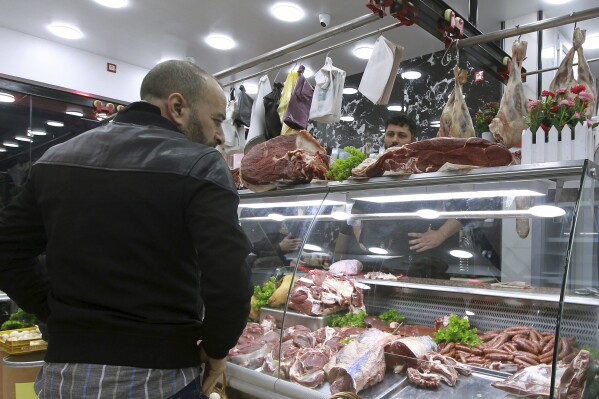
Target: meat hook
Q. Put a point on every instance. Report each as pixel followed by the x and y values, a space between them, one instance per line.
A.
pixel 446 53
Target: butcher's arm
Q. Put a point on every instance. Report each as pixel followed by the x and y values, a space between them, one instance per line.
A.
pixel 22 239
pixel 222 248
pixel 433 238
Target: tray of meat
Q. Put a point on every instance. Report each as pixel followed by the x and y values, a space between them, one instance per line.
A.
pixel 294 318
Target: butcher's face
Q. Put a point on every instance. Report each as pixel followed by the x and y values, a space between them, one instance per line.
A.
pixel 204 125
pixel 396 135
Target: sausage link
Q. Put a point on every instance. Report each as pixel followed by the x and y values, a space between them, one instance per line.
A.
pixel 526 345
pixel 475 359
pixel 477 351
pixel 503 338
pixel 510 347
pixel 499 356
pixel 489 335
pixel 538 335
pixel 547 334
pixel 537 340
pixel 463 348
pixel 488 351
pixel 447 348
pixel 570 357
pixel 527 359
pixel 461 356
pixel 564 348
pixel 548 346
pixel 527 354
pixel 517 330
pixel 489 344
pixel 546 356
pixel 521 362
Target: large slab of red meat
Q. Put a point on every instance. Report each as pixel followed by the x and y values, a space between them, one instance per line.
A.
pixel 429 155
pixel 293 158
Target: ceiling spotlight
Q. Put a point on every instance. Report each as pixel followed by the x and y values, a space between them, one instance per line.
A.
pixel 220 42
pixel 23 138
pixel 591 43
pixel 66 32
pixel 55 123
pixel 312 247
pixel 113 3
pixel 363 52
pixel 378 251
pixel 75 113
pixel 347 118
pixel 10 144
pixel 287 12
pixel 6 98
pixel 36 132
pixel 411 75
pixel 395 108
pixel 548 52
pixel 349 90
pixel 557 2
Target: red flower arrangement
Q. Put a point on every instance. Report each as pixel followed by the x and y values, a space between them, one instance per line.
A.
pixel 559 109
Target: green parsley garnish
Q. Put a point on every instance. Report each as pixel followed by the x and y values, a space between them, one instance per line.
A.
pixel 391 315
pixel 350 319
pixel 262 293
pixel 458 330
pixel 341 168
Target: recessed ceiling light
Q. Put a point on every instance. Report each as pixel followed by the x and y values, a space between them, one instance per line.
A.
pixel 66 32
pixel 23 138
pixel 113 3
pixel 349 90
pixel 435 123
pixel 55 123
pixel 363 52
pixel 591 43
pixel 75 113
pixel 6 98
pixel 548 52
pixel 250 88
pixel 458 253
pixel 558 1
pixel 10 144
pixel 312 247
pixel 411 75
pixel 347 118
pixel 395 108
pixel 220 42
pixel 287 12
pixel 36 133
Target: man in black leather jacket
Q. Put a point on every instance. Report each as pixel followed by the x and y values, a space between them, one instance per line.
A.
pixel 144 252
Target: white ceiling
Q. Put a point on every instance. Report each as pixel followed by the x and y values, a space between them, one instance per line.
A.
pixel 148 31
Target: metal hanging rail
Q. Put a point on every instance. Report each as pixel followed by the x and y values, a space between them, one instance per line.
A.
pixel 554 68
pixel 303 57
pixel 531 27
pixel 305 42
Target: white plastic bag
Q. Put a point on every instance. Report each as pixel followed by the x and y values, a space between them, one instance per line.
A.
pixel 328 94
pixel 234 135
pixel 381 71
pixel 258 123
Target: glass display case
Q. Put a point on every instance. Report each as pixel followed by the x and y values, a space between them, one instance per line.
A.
pixel 510 251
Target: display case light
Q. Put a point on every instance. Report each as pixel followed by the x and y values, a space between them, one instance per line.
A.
pixel 312 247
pixel 6 98
pixel 428 213
pixel 546 211
pixel 449 195
pixel 276 216
pixel 460 253
pixel 288 204
pixel 378 251
pixel 339 215
pixel 349 90
pixel 10 144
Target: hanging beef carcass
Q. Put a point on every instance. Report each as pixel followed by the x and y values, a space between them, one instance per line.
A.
pixel 293 158
pixel 564 77
pixel 510 121
pixel 429 155
pixel 455 118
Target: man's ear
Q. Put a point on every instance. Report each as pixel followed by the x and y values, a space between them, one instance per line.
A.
pixel 177 109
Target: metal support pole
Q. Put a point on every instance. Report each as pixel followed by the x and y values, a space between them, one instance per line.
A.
pixel 305 42
pixel 303 57
pixel 473 12
pixel 554 68
pixel 532 27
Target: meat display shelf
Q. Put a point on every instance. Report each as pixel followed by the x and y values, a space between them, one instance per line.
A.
pixel 531 294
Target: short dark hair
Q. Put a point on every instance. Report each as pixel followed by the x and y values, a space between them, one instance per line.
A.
pixel 402 120
pixel 174 76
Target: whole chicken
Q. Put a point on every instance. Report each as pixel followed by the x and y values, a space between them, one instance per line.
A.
pixel 510 121
pixel 455 118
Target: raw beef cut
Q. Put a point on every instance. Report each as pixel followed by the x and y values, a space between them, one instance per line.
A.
pixel 430 155
pixel 320 293
pixel 360 363
pixel 237 179
pixel 571 385
pixel 510 121
pixel 255 343
pixel 309 365
pixel 293 158
pixel 402 352
pixel 455 118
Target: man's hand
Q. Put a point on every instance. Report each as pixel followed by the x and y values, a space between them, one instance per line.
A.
pixel 425 241
pixel 213 369
pixel 289 243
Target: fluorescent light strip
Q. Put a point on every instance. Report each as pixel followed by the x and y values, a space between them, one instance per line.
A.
pixel 289 204
pixel 446 196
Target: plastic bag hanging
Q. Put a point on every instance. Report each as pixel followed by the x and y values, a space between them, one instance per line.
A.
pixel 256 134
pixel 234 134
pixel 272 120
pixel 285 97
pixel 328 93
pixel 380 72
pixel 298 110
pixel 243 111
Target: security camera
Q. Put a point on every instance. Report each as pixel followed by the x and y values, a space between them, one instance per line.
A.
pixel 325 19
